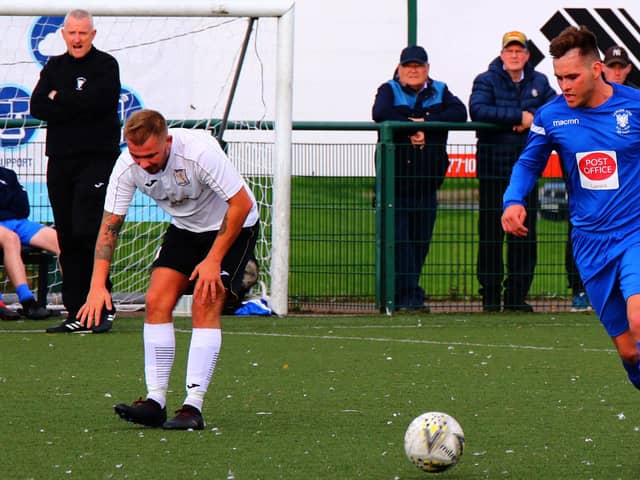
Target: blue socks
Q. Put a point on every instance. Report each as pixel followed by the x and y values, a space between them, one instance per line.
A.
pixel 23 292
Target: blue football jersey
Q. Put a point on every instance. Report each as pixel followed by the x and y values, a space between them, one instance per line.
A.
pixel 600 151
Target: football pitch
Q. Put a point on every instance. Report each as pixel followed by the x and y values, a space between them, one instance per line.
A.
pixel 539 396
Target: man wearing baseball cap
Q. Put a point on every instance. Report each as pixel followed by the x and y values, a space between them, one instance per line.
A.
pixel 617 65
pixel 421 162
pixel 508 94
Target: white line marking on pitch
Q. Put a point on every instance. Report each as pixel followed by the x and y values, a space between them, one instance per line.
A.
pixel 371 339
pixel 410 340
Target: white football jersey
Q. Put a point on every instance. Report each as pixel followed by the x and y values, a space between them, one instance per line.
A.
pixel 193 188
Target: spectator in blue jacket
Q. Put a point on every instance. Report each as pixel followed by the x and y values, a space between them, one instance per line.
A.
pixel 17 230
pixel 507 94
pixel 421 163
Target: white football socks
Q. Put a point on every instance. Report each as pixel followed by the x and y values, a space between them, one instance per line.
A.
pixel 159 352
pixel 203 356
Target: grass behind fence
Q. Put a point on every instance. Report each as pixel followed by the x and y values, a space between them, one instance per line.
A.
pixel 333 243
pixel 538 396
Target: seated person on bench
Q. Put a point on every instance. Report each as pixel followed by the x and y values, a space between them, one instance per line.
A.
pixel 17 230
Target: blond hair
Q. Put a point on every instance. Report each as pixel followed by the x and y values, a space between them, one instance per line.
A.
pixel 143 124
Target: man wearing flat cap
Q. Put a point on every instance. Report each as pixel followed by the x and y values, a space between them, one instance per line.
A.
pixel 617 66
pixel 421 163
pixel 508 94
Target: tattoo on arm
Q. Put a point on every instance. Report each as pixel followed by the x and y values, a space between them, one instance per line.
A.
pixel 223 226
pixel 109 230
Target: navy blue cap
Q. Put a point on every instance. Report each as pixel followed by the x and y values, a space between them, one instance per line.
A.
pixel 414 54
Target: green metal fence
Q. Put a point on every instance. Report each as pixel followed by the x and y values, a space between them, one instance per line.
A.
pixel 342 246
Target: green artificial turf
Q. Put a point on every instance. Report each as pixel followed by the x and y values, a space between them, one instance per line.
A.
pixel 539 396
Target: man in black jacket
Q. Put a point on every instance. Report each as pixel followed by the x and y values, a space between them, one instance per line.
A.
pixel 77 95
pixel 17 230
pixel 421 163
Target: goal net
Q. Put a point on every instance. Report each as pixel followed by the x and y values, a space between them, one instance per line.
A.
pixel 228 74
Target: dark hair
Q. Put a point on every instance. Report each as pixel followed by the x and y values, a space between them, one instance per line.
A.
pixel 575 37
pixel 143 124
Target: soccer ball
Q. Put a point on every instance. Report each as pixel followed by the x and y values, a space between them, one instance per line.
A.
pixel 434 441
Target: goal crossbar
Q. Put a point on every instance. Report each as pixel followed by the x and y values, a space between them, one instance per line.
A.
pixel 152 8
pixel 283 10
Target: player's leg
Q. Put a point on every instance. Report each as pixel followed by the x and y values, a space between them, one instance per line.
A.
pixel 12 249
pixel 607 291
pixel 10 244
pixel 165 289
pixel 627 344
pixel 14 234
pixel 47 239
pixel 33 233
pixel 204 350
pixel 169 279
pixel 206 338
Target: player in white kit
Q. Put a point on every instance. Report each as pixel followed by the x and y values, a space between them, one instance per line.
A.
pixel 212 235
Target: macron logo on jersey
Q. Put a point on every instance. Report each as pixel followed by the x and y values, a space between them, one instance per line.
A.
pixel 565 122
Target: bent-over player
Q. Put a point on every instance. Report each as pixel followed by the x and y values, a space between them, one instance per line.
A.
pixel 212 235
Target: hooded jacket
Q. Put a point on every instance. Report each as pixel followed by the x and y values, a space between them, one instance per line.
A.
pixel 14 202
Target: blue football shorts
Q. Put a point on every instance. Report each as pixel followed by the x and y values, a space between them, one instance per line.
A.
pixel 611 286
pixel 24 227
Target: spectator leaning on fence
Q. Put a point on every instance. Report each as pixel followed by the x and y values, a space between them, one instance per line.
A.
pixel 77 95
pixel 595 128
pixel 508 94
pixel 420 164
pixel 17 230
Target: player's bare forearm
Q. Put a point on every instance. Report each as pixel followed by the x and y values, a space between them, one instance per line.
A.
pixel 239 207
pixel 99 295
pixel 209 285
pixel 109 231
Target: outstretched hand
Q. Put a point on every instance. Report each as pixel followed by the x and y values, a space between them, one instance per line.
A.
pixel 89 314
pixel 513 219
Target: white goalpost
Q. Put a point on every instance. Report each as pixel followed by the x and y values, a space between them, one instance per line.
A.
pixel 179 58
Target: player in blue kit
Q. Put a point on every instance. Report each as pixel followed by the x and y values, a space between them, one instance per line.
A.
pixel 595 128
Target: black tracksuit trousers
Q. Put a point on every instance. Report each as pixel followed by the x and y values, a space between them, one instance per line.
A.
pixel 77 186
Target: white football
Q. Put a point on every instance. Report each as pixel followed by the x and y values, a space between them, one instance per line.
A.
pixel 434 441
